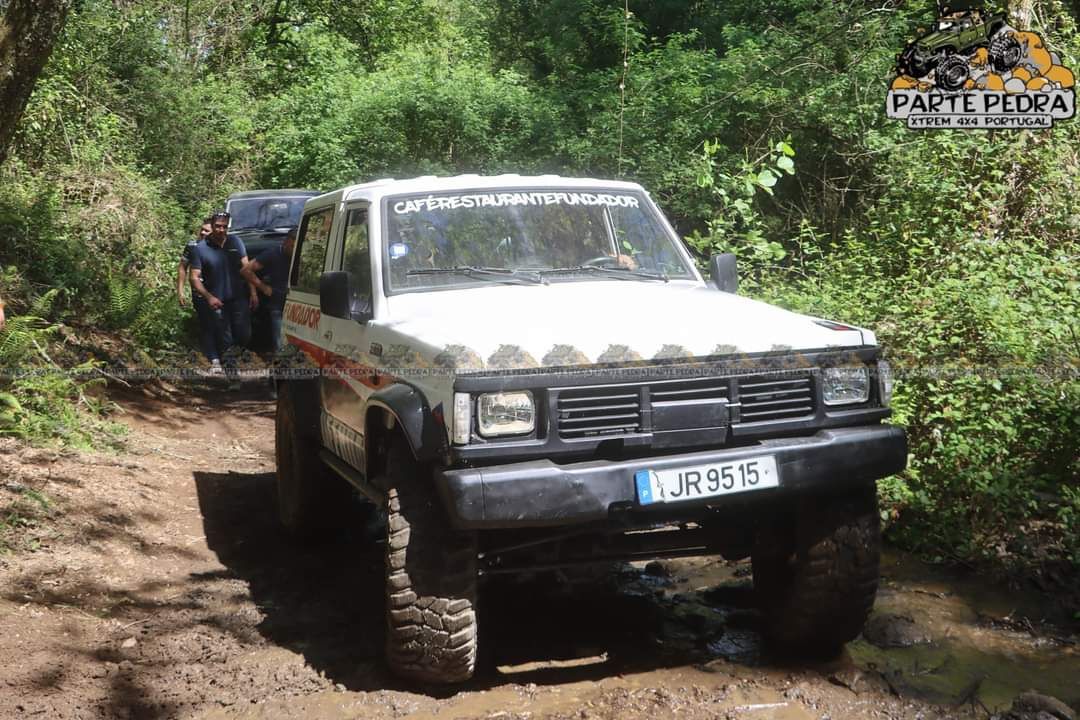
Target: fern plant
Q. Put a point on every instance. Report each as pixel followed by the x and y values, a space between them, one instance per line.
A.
pixel 20 337
pixel 44 306
pixel 10 408
pixel 125 301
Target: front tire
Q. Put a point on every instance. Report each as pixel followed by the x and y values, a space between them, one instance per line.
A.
pixel 952 72
pixel 815 575
pixel 431 580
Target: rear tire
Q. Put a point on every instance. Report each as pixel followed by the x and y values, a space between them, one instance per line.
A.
pixel 909 64
pixel 431 579
pixel 311 500
pixel 815 578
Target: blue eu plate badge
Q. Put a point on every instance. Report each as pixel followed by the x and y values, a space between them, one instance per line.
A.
pixel 643 480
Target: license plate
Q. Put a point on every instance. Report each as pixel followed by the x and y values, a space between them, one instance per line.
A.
pixel 703 481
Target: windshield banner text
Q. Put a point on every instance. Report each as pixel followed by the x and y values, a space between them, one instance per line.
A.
pixel 508 199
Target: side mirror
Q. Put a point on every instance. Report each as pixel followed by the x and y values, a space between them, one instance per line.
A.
pixel 338 297
pixel 725 274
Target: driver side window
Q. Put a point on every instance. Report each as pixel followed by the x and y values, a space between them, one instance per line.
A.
pixel 356 260
pixel 312 242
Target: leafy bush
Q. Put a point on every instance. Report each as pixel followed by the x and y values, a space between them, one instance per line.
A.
pixel 420 112
pixel 41 401
pixel 970 279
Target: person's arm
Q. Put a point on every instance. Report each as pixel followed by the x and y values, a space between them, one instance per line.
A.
pixel 253 294
pixel 197 286
pixel 181 277
pixel 3 319
pixel 250 273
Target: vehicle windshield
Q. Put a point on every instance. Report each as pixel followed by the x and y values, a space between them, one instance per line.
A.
pixel 558 231
pixel 265 213
pixel 960 24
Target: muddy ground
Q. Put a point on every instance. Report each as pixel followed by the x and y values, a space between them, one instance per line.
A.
pixel 161 587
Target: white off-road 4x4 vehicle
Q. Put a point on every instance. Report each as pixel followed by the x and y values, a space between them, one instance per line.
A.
pixel 529 373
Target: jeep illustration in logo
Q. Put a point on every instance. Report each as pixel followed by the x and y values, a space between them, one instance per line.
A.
pixel 955 38
pixel 973 70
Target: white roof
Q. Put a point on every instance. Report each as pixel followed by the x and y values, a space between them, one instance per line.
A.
pixel 377 189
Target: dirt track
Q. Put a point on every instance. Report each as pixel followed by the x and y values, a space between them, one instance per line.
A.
pixel 163 588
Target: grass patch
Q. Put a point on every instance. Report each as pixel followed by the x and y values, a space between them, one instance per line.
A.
pixel 20 517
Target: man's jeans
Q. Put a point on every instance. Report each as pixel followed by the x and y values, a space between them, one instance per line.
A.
pixel 223 332
pixel 275 327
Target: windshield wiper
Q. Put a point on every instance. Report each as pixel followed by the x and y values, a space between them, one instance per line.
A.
pixel 617 272
pixel 517 277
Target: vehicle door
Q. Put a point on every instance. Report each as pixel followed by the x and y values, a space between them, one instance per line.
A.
pixel 351 377
pixel 302 318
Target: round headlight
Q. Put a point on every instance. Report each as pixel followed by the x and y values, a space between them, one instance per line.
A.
pixel 845 385
pixel 505 413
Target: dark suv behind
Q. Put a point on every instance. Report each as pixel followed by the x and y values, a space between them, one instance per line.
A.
pixel 261 218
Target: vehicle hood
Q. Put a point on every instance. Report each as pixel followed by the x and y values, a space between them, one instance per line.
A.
pixel 932 40
pixel 589 322
pixel 256 240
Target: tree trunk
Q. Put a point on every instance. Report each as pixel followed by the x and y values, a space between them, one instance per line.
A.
pixel 1020 13
pixel 28 30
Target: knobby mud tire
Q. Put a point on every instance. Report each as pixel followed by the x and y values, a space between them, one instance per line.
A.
pixel 1005 52
pixel 431 580
pixel 952 72
pixel 816 578
pixel 908 65
pixel 311 501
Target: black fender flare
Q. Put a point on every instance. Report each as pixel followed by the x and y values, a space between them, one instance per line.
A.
pixel 424 428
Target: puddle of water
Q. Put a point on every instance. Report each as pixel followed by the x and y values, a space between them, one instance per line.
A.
pixel 969 657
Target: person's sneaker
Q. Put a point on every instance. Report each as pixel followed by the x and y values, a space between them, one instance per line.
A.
pixel 215 368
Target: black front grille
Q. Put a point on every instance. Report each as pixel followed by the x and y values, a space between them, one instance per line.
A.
pixel 586 412
pixel 686 390
pixel 617 409
pixel 764 397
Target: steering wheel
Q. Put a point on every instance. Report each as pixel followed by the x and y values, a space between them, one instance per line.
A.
pixel 602 261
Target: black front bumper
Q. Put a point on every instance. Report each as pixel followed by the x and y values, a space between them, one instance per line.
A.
pixel 540 493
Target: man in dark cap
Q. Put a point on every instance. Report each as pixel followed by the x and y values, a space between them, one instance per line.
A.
pixel 222 297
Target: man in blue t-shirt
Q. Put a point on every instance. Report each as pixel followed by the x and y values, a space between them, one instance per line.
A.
pixel 272 264
pixel 222 297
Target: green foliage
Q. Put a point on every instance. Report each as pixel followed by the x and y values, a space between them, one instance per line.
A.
pixel 125 300
pixel 738 224
pixel 422 111
pixel 969 276
pixel 41 401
